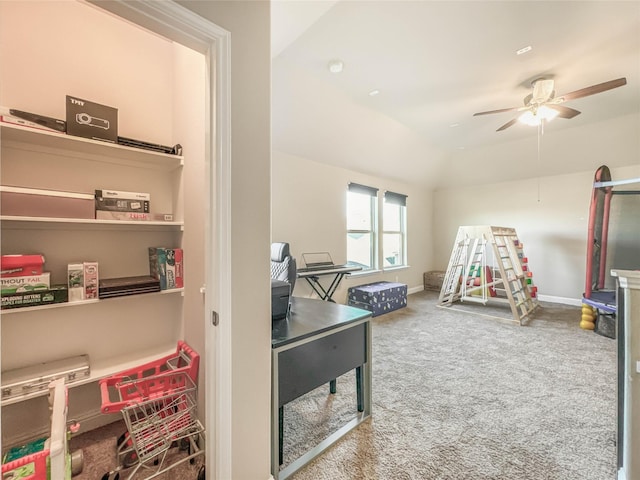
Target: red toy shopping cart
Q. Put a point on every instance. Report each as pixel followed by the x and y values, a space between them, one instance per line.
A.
pixel 158 402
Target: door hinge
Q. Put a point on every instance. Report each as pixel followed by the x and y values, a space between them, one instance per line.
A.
pixel 215 319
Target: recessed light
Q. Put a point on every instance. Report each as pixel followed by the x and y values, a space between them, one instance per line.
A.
pixel 454 125
pixel 373 93
pixel 524 50
pixel 336 66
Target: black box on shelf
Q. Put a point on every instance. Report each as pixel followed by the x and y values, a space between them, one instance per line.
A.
pixel 118 287
pixel 91 120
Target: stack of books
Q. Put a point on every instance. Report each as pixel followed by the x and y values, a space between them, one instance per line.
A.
pixel 24 283
pixel 118 287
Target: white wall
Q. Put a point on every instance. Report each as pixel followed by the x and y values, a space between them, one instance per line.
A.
pixel 43 60
pixel 550 215
pixel 249 24
pixel 309 212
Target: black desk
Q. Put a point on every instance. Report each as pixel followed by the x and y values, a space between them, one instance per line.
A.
pixel 317 343
pixel 312 276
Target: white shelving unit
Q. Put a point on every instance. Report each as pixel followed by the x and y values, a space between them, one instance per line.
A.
pixel 116 333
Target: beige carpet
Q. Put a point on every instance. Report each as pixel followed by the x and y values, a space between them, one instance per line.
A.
pixel 458 396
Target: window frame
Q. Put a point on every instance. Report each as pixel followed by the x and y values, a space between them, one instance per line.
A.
pixel 393 198
pixel 355 188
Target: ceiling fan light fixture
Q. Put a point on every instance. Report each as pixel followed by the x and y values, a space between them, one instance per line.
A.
pixel 534 119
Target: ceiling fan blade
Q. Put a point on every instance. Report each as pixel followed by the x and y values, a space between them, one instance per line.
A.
pixel 564 112
pixel 593 89
pixel 502 110
pixel 507 125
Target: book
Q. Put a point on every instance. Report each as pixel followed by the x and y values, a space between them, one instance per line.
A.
pixel 122 204
pixel 29 283
pixel 21 265
pixel 134 216
pixel 124 195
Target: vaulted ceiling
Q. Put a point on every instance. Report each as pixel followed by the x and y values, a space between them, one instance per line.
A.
pixel 436 63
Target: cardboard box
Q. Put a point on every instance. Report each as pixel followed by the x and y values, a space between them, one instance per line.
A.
pixel 32 202
pixel 91 120
pixel 134 216
pixel 90 280
pixel 21 265
pixel 75 281
pixel 166 265
pixel 379 297
pixel 26 284
pixel 54 294
pixel 120 194
pixel 122 205
pixel 174 267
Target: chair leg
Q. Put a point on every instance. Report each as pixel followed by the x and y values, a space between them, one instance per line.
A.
pixel 359 393
pixel 332 386
pixel 280 432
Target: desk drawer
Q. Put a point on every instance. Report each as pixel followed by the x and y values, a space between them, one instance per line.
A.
pixel 312 364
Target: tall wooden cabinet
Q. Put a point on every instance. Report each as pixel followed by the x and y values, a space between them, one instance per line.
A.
pixel 115 333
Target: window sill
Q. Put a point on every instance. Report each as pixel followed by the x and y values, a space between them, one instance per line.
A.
pixel 378 271
pixel 395 269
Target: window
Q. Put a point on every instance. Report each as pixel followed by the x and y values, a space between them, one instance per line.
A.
pixel 362 231
pixel 394 235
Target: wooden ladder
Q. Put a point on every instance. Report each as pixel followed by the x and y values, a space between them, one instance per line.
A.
pixel 450 291
pixel 505 242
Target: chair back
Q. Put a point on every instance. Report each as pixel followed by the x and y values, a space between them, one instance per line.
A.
pixel 283 265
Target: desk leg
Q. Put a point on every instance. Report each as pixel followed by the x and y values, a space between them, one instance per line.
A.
pixel 280 433
pixel 359 394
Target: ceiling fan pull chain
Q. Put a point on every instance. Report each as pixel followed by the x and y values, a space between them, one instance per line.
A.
pixel 540 133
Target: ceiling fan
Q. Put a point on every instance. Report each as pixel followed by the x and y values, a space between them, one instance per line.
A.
pixel 542 104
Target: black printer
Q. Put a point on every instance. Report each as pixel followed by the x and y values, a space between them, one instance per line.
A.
pixel 280 299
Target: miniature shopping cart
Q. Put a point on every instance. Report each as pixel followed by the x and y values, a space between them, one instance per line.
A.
pixel 158 402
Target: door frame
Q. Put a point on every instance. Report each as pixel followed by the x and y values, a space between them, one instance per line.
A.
pixel 183 26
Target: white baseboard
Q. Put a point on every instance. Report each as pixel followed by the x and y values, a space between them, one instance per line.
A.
pixel 564 300
pixel 415 289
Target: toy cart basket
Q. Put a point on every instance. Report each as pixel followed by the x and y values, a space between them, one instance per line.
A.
pixel 158 402
pixel 116 393
pixel 34 466
pixel 165 413
pixel 161 412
